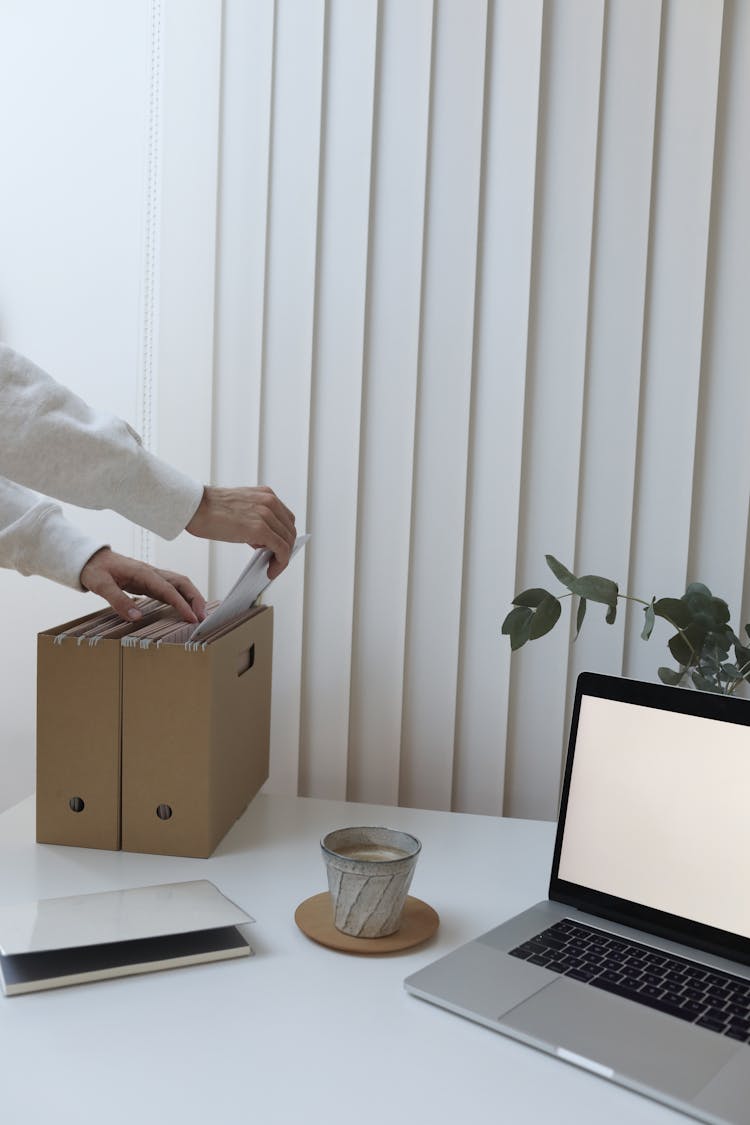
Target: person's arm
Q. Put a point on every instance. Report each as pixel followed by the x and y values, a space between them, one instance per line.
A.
pixel 36 538
pixel 53 442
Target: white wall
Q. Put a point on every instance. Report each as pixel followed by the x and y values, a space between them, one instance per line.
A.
pixel 72 110
pixel 464 280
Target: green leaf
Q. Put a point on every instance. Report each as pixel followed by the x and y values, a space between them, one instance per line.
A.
pixel 731 671
pixel 721 640
pixel 531 597
pixel 611 614
pixel 648 624
pixel 520 636
pixel 720 611
pixel 701 608
pixel 670 677
pixel 514 618
pixel 673 610
pixel 681 650
pixel 596 589
pixel 545 617
pixel 709 658
pixel 686 647
pixel 580 616
pixel 698 588
pixel 517 626
pixel 704 684
pixel 747 629
pixel 561 573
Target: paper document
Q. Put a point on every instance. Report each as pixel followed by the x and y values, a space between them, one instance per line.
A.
pixel 248 587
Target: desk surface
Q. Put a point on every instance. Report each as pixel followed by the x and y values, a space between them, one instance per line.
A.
pixel 298 1033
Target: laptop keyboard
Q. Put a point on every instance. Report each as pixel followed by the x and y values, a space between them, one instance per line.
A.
pixel 675 985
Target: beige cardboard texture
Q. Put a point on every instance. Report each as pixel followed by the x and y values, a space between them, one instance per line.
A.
pixel 78 742
pixel 130 731
pixel 195 733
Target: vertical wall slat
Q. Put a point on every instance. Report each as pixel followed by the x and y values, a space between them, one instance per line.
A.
pixel 338 365
pixel 505 238
pixel 443 405
pixel 616 320
pixel 389 399
pixel 145 398
pixel 571 60
pixel 722 486
pixel 288 347
pixel 187 256
pixel 674 327
pixel 247 77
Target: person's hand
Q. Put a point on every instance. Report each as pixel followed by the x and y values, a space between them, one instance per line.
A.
pixel 109 575
pixel 247 515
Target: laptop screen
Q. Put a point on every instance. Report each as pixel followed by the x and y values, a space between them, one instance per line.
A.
pixel 655 815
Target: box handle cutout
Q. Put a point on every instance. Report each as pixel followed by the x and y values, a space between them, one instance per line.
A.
pixel 76 804
pixel 164 812
pixel 245 661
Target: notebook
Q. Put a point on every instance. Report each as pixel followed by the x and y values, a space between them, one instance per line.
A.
pixel 55 942
pixel 637 967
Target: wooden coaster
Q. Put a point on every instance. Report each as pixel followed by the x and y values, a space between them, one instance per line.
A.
pixel 314 917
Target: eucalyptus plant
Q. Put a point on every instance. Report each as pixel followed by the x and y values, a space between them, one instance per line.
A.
pixel 701 645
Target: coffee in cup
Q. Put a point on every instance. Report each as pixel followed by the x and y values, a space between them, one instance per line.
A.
pixel 369 873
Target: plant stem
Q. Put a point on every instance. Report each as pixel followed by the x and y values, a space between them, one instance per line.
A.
pixel 739 679
pixel 640 601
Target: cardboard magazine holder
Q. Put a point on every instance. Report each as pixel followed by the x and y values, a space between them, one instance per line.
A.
pixel 78 741
pixel 156 748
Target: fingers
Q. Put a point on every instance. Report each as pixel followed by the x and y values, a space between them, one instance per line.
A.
pixel 154 583
pixel 109 575
pixel 189 592
pixel 277 532
pixel 275 567
pixel 275 542
pixel 281 512
pixel 246 515
pixel 107 588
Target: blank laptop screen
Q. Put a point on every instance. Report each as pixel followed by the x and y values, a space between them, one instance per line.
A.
pixel 658 812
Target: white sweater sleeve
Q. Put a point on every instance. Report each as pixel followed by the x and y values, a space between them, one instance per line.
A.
pixel 35 537
pixel 51 441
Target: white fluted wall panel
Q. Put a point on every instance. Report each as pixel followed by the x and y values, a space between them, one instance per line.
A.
pixel 619 271
pixel 465 281
pixel 505 256
pixel 337 400
pixel 673 335
pixel 389 396
pixel 247 82
pixel 443 405
pixel 289 332
pixel 720 497
pixel 496 437
pixel 556 371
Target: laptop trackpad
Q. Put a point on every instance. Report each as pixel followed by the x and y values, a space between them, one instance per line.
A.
pixel 654 1049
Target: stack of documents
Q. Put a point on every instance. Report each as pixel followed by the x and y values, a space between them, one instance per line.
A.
pixel 244 594
pixel 161 624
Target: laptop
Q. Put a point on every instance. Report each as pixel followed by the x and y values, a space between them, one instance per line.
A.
pixel 637 968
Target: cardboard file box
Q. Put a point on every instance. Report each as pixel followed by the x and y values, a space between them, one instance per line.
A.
pixel 152 749
pixel 78 741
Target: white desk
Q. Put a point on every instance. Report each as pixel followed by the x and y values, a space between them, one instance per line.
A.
pixel 297 1033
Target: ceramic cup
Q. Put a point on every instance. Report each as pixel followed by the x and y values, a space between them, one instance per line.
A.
pixel 369 872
